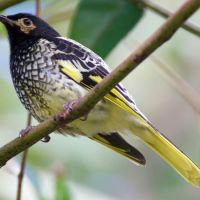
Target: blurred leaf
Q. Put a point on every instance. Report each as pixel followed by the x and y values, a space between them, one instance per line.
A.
pixel 8 98
pixel 62 192
pixel 101 24
pixel 36 159
pixel 2 31
pixel 64 10
pixel 59 14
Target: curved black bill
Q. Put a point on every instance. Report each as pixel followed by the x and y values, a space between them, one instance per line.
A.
pixel 6 20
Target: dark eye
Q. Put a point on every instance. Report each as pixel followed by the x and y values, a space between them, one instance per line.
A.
pixel 27 22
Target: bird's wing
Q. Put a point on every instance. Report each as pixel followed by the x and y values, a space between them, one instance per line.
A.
pixel 87 69
pixel 115 142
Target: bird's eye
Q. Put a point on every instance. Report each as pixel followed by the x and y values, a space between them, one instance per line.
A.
pixel 27 22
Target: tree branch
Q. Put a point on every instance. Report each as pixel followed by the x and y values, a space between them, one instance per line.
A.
pixel 163 34
pixel 189 26
pixel 7 3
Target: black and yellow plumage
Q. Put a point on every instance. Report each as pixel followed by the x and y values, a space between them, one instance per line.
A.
pixel 49 71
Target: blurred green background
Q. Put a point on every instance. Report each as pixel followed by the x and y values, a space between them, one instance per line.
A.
pixel 79 169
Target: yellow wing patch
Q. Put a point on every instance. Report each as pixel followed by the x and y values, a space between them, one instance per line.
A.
pixel 97 79
pixel 118 99
pixel 71 71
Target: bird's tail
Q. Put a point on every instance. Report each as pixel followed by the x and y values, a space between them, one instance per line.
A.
pixel 167 151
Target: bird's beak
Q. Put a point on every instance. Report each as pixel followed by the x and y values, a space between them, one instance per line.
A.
pixel 5 20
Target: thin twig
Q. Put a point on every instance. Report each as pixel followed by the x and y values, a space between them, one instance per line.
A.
pixel 38 7
pixel 177 82
pixel 189 26
pixel 159 37
pixel 22 166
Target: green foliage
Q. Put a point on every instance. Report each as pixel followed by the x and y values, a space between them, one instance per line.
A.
pixel 2 30
pixel 7 100
pixel 101 24
pixel 62 192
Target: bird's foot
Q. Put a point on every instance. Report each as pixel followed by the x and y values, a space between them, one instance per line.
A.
pixel 25 131
pixel 68 107
pixel 46 139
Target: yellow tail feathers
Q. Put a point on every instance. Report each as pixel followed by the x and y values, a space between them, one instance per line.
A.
pixel 140 126
pixel 173 156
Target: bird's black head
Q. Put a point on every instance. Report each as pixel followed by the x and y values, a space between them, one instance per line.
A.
pixel 24 26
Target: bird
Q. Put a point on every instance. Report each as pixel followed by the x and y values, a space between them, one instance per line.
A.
pixel 50 71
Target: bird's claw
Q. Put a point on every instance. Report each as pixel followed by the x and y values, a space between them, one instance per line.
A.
pixel 60 117
pixel 25 131
pixel 68 107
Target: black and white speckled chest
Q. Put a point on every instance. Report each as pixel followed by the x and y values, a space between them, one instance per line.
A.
pixel 40 85
pixel 30 64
